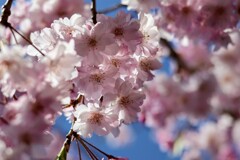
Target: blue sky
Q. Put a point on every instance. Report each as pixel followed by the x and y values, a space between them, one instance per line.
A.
pixel 144 147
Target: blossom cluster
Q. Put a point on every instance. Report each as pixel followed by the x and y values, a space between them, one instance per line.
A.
pixel 106 63
pixel 200 98
pixel 186 108
pixel 199 20
pixel 93 73
pixel 29 16
pixel 99 75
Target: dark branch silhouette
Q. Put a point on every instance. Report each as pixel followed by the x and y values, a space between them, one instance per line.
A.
pixel 94 12
pixel 6 12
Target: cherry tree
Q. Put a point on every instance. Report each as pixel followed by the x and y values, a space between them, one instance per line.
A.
pixel 66 57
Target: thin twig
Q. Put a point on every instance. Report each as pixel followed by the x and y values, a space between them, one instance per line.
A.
pixel 79 150
pixel 6 12
pixel 14 36
pixel 90 153
pixel 111 9
pixel 94 12
pixel 109 156
pixel 26 39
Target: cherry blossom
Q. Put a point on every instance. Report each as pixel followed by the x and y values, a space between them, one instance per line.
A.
pixel 61 62
pixel 127 101
pixel 68 28
pixel 125 30
pixel 101 73
pixel 45 40
pixel 93 40
pixel 150 34
pixel 94 118
pixel 41 15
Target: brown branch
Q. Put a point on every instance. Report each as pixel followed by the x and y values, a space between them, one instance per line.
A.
pixel 94 12
pixel 74 102
pixel 6 12
pixel 113 8
pixel 90 153
pixel 97 149
pixel 14 36
pixel 180 62
pixel 26 39
pixel 79 150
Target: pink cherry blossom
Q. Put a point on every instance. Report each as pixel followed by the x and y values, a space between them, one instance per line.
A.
pixel 68 28
pixel 94 118
pixel 14 68
pixel 95 81
pixel 124 29
pixel 61 62
pixel 102 73
pixel 149 44
pixel 45 40
pixel 127 101
pixel 93 40
pixel 146 65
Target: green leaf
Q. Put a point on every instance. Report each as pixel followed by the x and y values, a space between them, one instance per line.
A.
pixel 62 155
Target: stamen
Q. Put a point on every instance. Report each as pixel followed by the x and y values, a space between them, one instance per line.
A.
pixel 97 78
pixel 25 138
pixel 68 30
pixel 96 118
pixel 37 108
pixel 118 31
pixel 145 65
pixel 92 42
pixel 124 101
pixel 116 62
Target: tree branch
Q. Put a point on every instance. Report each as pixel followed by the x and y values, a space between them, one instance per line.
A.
pixel 81 140
pixel 6 12
pixel 26 39
pixel 94 12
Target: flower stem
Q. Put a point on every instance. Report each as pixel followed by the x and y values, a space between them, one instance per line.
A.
pixel 94 12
